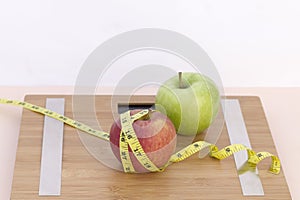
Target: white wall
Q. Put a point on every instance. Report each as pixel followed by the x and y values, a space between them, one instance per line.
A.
pixel 252 43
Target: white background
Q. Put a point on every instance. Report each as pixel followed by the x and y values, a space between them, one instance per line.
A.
pixel 252 43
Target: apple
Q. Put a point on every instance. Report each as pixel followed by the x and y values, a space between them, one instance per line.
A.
pixel 156 134
pixel 190 100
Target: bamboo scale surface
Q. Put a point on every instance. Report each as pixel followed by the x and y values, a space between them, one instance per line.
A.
pixel 84 177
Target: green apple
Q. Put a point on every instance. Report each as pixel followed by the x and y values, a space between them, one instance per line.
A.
pixel 190 100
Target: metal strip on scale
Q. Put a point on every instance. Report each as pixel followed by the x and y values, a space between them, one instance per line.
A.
pixel 51 160
pixel 250 182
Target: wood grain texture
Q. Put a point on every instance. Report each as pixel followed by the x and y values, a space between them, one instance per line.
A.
pixel 84 177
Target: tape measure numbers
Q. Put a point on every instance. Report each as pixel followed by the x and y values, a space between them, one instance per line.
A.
pixel 66 120
pixel 129 138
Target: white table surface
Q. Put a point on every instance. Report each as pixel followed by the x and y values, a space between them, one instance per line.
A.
pixel 281 106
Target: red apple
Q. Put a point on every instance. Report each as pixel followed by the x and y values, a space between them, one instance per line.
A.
pixel 156 134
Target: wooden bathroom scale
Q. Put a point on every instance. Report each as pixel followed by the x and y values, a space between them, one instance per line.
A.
pixel 84 177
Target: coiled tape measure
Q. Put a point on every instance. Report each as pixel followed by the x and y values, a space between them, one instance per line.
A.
pixel 129 138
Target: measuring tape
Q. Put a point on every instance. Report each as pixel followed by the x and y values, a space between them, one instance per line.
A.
pixel 128 138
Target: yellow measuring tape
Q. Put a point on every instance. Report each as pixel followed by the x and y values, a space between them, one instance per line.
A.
pixel 129 138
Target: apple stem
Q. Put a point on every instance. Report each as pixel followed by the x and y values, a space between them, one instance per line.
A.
pixel 180 80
